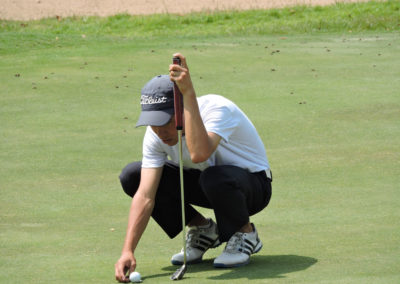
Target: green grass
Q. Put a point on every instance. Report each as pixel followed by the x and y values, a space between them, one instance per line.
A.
pixel 326 104
pixel 355 17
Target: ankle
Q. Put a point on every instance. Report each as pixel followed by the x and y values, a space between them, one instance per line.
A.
pixel 248 228
pixel 199 220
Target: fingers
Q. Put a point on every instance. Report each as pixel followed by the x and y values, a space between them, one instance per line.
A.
pixel 176 70
pixel 175 74
pixel 181 76
pixel 132 268
pixel 182 58
pixel 124 266
pixel 120 274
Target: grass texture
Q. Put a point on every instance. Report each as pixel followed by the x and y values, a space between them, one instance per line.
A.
pixel 325 102
pixel 353 17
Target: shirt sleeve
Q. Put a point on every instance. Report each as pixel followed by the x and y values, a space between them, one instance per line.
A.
pixel 153 154
pixel 220 120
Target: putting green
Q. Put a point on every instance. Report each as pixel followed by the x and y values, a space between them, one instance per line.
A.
pixel 327 107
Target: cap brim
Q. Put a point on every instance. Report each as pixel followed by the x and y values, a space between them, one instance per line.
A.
pixel 154 118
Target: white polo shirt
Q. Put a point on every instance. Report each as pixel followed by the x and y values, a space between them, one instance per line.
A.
pixel 240 145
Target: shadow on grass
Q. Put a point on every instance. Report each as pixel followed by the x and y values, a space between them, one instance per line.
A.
pixel 260 267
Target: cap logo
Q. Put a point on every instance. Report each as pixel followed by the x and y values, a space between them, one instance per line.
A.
pixel 157 101
pixel 149 100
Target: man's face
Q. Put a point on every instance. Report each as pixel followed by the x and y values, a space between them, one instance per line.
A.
pixel 167 132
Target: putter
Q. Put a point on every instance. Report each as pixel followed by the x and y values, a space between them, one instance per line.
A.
pixel 178 105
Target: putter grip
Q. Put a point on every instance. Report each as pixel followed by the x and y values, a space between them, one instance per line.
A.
pixel 178 100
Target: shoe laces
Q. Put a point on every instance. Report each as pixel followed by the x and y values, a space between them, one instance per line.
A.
pixel 193 235
pixel 234 243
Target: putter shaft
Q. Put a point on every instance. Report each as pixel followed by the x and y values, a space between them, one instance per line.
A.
pixel 178 274
pixel 182 196
pixel 178 106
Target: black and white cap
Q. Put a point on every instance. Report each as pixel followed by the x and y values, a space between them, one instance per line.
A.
pixel 157 101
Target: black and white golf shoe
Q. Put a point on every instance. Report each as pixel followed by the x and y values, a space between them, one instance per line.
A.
pixel 198 240
pixel 238 249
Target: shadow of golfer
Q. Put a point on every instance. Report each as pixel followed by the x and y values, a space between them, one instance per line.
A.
pixel 260 267
pixel 269 266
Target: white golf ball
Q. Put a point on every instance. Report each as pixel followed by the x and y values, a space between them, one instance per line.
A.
pixel 135 277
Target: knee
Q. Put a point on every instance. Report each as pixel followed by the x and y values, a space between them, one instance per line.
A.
pixel 130 178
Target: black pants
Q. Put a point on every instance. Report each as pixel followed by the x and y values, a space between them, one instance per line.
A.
pixel 232 192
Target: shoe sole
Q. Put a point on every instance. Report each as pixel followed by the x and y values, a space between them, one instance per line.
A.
pixel 223 265
pixel 177 262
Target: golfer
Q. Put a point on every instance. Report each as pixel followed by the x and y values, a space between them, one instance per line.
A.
pixel 225 169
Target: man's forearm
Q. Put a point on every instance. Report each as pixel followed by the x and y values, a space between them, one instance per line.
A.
pixel 200 143
pixel 197 139
pixel 139 215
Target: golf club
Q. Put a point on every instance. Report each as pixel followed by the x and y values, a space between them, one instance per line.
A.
pixel 178 105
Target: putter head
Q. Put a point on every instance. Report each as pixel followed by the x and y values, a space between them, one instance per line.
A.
pixel 178 274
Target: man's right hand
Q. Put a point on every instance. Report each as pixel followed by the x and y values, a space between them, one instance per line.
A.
pixel 124 266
